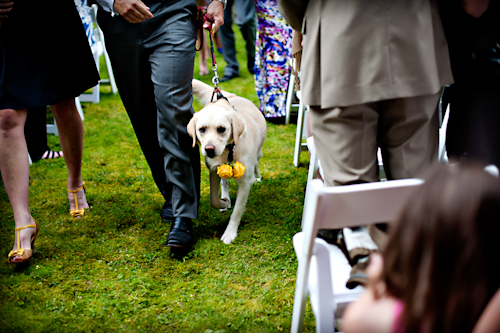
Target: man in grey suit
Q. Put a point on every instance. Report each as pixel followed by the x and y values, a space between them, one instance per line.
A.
pixel 152 49
pixel 372 73
pixel 246 21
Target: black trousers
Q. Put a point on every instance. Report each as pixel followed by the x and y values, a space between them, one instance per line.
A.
pixel 153 65
pixel 35 132
pixel 473 128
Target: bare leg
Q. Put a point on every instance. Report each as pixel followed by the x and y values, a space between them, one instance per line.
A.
pixel 204 54
pixel 70 127
pixel 14 166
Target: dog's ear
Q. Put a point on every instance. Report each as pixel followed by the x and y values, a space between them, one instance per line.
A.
pixel 191 128
pixel 238 127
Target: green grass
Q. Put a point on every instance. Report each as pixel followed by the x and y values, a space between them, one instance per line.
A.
pixel 110 270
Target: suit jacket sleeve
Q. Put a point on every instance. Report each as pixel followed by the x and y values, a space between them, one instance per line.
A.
pixel 293 12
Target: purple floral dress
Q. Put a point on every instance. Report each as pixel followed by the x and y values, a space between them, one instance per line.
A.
pixel 273 56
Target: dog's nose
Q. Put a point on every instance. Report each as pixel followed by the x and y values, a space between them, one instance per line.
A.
pixel 210 150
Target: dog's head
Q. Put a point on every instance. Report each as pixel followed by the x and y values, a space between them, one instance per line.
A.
pixel 214 127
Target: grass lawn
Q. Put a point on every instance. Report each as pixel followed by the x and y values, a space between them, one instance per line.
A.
pixel 110 271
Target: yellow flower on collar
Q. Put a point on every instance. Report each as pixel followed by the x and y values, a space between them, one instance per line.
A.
pixel 225 171
pixel 238 170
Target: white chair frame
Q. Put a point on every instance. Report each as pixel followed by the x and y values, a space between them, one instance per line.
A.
pixel 301 132
pixel 100 50
pixel 323 269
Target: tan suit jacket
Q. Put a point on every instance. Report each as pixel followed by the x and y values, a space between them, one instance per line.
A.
pixel 361 51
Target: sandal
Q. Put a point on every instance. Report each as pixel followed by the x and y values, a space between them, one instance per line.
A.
pixel 49 154
pixel 24 254
pixel 75 213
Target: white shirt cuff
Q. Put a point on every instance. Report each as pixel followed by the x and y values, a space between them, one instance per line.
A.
pixel 107 5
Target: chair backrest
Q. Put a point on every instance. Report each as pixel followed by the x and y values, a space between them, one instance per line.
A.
pixel 354 205
pixel 339 207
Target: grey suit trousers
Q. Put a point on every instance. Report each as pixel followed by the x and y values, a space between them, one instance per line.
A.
pixel 153 66
pixel 247 22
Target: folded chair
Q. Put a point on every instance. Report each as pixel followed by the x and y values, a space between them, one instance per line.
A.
pixel 98 50
pixel 323 269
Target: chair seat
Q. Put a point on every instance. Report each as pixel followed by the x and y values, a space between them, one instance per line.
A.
pixel 337 259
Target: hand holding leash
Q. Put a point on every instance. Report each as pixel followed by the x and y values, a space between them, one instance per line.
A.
pixel 214 16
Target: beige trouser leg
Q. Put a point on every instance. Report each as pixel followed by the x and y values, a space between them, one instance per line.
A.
pixel 347 138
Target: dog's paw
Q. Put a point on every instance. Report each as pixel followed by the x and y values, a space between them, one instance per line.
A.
pixel 228 206
pixel 221 204
pixel 229 235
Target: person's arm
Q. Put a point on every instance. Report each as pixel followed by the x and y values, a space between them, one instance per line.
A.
pixel 134 11
pixel 475 8
pixel 374 310
pixel 215 12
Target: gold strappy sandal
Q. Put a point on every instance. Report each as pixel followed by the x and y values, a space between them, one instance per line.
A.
pixel 24 254
pixel 77 212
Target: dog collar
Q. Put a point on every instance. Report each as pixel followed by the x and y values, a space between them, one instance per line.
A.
pixel 230 156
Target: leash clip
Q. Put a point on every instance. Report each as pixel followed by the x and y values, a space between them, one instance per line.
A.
pixel 215 79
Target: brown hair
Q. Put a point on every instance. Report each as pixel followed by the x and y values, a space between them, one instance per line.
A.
pixel 442 255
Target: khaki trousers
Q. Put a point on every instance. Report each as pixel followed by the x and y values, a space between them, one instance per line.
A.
pixel 347 138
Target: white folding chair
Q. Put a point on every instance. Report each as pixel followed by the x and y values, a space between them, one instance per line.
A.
pixel 323 269
pixel 98 51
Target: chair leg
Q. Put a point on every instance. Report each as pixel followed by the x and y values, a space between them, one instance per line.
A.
pixel 289 96
pixel 79 107
pixel 313 160
pixel 325 314
pixel 298 136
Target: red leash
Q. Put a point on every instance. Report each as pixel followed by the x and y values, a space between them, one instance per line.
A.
pixel 215 79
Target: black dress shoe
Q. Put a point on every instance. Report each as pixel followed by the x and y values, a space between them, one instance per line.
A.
pixel 226 78
pixel 181 233
pixel 166 212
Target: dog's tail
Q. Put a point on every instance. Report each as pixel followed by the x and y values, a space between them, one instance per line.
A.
pixel 203 92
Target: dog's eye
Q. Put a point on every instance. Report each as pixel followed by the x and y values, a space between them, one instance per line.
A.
pixel 221 129
pixel 202 129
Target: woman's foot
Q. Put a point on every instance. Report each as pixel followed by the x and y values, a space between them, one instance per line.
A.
pixel 24 238
pixel 49 154
pixel 204 71
pixel 77 201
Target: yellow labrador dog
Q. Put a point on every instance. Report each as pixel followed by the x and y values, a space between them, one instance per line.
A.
pixel 237 124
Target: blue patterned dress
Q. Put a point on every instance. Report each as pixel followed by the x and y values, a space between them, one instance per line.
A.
pixel 273 55
pixel 84 11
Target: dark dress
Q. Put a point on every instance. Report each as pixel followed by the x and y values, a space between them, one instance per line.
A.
pixel 45 57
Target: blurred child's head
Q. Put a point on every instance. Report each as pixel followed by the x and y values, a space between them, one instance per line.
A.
pixel 443 253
